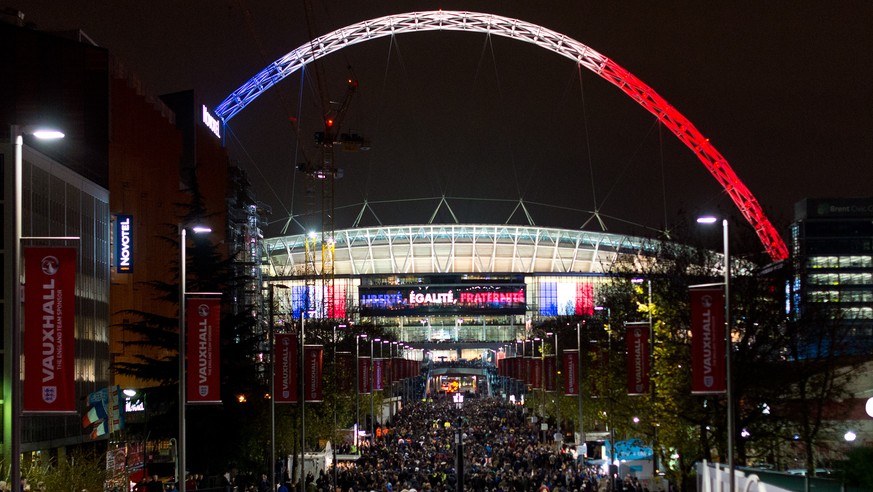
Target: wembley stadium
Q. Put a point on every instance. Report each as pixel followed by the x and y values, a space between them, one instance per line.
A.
pixel 461 283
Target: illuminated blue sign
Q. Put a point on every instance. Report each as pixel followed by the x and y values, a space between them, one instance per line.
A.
pixel 403 300
pixel 124 244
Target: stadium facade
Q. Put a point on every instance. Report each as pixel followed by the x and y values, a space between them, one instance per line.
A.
pixel 448 282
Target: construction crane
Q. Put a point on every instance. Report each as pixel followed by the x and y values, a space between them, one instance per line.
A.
pixel 322 174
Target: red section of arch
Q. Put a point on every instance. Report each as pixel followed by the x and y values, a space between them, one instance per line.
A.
pixel 708 155
pixel 543 37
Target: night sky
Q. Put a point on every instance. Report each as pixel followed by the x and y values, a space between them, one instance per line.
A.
pixel 784 90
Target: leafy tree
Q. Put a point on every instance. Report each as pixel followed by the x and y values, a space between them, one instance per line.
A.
pixel 819 364
pixel 207 271
pixel 82 470
pixel 771 360
pixel 857 469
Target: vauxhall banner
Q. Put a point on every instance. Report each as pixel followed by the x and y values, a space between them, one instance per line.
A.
pixel 527 370
pixel 285 367
pixel 707 341
pixel 536 376
pixel 550 371
pixel 345 368
pixel 49 318
pixel 312 365
pixel 378 368
pixel 600 356
pixel 637 338
pixel 364 375
pixel 571 372
pixel 203 316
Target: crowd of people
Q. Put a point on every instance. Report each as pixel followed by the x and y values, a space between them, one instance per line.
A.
pixel 502 452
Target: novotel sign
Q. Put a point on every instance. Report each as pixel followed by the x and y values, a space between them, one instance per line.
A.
pixel 211 122
pixel 124 244
pixel 442 299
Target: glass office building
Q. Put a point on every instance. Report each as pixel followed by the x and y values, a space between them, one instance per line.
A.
pixel 57 202
pixel 832 251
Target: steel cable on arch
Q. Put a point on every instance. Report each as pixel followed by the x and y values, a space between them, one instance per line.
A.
pixel 540 36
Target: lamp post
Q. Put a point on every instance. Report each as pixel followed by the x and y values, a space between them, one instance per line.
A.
pixel 272 326
pixel 373 391
pixel 17 134
pixel 581 447
pixel 728 345
pixel 538 373
pixel 336 397
pixel 358 386
pixel 555 379
pixel 301 396
pixel 393 351
pixel 655 467
pixel 180 473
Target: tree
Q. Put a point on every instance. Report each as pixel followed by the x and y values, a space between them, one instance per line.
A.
pixel 208 271
pixel 82 470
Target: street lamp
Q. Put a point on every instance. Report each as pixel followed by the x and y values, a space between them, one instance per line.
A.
pixel 555 379
pixel 373 391
pixel 393 351
pixel 17 133
pixel 539 372
pixel 655 466
pixel 358 385
pixel 581 448
pixel 183 231
pixel 728 345
pixel 272 326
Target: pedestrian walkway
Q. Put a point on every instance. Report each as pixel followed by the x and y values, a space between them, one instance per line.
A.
pixel 501 449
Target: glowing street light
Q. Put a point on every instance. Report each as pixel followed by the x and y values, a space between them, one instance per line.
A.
pixel 17 134
pixel 728 346
pixel 180 462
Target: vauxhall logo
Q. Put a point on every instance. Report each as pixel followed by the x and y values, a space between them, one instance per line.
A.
pixel 706 332
pixel 52 341
pixel 203 354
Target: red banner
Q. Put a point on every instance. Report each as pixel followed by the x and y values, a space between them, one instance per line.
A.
pixel 550 370
pixel 571 372
pixel 285 367
pixel 404 369
pixel 345 368
pixel 313 386
pixel 378 370
pixel 49 319
pixel 203 316
pixel 707 341
pixel 527 370
pixel 600 361
pixel 536 377
pixel 637 338
pixel 364 375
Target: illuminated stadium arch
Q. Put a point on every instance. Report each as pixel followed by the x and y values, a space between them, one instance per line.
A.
pixel 447 20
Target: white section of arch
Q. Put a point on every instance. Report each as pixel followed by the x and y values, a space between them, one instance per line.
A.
pixel 565 46
pixel 461 249
pixel 437 20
